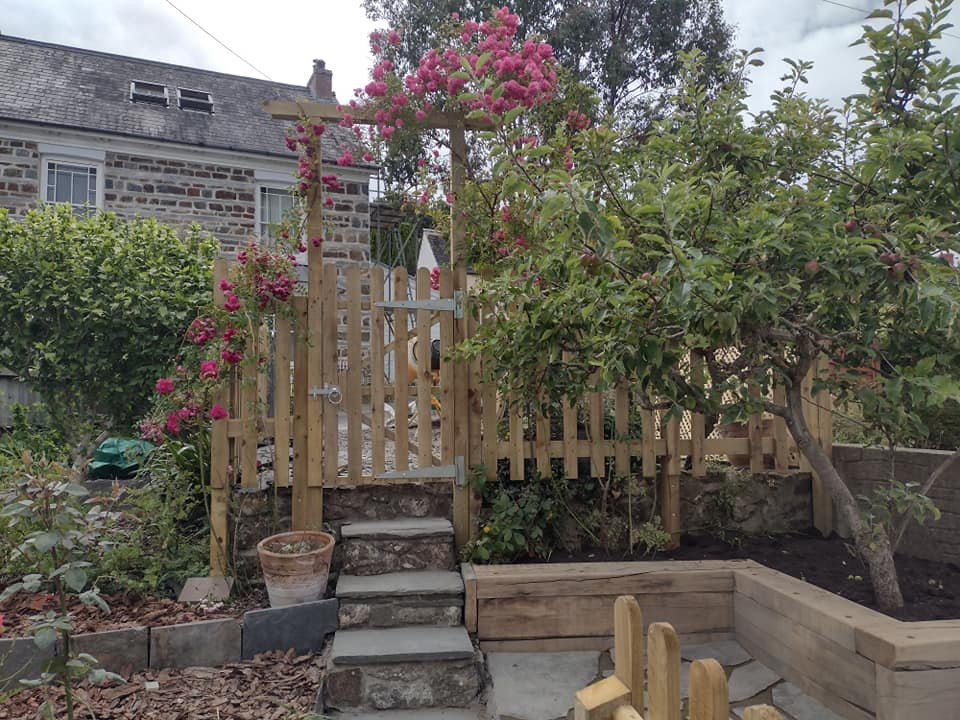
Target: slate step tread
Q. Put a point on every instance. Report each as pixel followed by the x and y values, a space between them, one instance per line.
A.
pixel 404 644
pixel 402 528
pixel 399 584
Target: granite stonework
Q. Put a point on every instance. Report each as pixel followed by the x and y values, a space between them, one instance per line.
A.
pixel 735 500
pixel 436 683
pixel 19 175
pixel 377 547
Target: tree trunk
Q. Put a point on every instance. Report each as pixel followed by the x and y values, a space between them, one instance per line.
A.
pixel 874 548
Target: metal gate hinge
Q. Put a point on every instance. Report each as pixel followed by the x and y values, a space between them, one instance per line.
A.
pixel 457 472
pixel 456 304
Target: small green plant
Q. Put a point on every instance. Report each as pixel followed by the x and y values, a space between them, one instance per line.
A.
pixel 162 537
pixel 893 500
pixel 720 508
pixel 65 537
pixel 518 520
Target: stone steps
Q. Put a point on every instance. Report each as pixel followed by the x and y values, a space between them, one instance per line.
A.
pixel 401 669
pixel 414 597
pixel 377 547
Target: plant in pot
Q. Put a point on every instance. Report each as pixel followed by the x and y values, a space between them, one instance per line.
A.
pixel 296 565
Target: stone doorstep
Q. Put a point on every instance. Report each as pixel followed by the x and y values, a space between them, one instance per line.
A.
pixel 400 645
pixel 397 584
pixel 402 529
pixel 421 610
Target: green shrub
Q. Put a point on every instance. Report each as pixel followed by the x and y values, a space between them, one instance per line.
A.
pixel 94 309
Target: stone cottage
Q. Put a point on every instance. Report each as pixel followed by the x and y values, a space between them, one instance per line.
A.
pixel 182 145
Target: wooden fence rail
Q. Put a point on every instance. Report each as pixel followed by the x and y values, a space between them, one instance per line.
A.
pixel 352 395
pixel 620 696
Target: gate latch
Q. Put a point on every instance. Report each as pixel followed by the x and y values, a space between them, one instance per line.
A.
pixel 329 391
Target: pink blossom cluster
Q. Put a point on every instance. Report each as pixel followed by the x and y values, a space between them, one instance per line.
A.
pixel 435 278
pixel 306 142
pixel 272 281
pixel 202 330
pixel 523 76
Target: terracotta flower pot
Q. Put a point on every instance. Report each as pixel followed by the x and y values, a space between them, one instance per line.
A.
pixel 296 565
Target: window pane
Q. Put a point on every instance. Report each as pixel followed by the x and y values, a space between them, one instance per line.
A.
pixel 274 204
pixel 74 184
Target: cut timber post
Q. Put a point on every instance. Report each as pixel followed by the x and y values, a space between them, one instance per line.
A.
pixel 628 652
pixel 463 519
pixel 709 699
pixel 664 674
pixel 761 712
pixel 219 459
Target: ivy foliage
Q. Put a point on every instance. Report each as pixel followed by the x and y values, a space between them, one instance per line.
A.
pixel 94 308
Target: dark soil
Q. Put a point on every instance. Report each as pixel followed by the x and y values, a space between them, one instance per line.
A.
pixel 931 590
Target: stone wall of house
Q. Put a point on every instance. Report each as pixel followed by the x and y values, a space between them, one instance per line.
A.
pixel 864 469
pixel 220 198
pixel 19 175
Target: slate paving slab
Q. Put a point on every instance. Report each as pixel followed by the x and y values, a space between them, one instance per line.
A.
pixel 411 582
pixel 726 652
pixel 421 714
pixel 537 686
pixel 401 645
pixel 393 529
pixel 749 680
pixel 118 651
pixel 302 627
pixel 207 643
pixel 790 698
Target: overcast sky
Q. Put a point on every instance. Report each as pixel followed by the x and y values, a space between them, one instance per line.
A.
pixel 283 39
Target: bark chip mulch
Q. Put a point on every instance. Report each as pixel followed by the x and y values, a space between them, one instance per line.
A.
pixel 271 686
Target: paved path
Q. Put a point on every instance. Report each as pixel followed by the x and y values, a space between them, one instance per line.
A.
pixel 540 686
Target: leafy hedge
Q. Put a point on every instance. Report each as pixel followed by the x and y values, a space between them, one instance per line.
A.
pixel 93 309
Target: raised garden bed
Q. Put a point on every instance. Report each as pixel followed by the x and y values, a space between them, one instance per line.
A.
pixel 859 663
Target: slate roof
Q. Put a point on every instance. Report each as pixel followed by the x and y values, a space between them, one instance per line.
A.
pixel 69 87
pixel 441 248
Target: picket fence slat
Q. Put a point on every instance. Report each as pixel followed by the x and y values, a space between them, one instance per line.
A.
pixel 424 374
pixel 378 400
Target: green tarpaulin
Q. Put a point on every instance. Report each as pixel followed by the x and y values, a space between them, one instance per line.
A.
pixel 119 458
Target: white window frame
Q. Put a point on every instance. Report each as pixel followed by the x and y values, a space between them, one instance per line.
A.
pixel 67 155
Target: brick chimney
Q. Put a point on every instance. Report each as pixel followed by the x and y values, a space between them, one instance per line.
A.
pixel 321 82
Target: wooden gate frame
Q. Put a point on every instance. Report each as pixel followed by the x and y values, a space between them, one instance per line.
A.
pixel 620 696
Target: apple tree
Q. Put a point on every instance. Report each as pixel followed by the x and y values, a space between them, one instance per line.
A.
pixel 798 232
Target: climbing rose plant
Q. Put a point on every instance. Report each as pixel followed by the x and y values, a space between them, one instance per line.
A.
pixel 216 344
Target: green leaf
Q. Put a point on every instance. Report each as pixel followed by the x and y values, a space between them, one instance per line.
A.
pixel 75 578
pixel 45 637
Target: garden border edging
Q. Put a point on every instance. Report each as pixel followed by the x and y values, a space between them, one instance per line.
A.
pixel 208 643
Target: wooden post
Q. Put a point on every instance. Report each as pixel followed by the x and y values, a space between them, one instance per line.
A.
pixel 281 403
pixel 670 489
pixel 424 375
pixel 648 452
pixel 312 507
pixel 780 433
pixel 698 433
pixel 628 646
pixel 755 433
pixel 353 387
pixel 462 416
pixel 820 407
pixel 219 459
pixel 709 699
pixel 301 401
pixel 761 712
pixel 249 412
pixel 377 390
pixel 329 354
pixel 663 658
pixel 622 429
pixel 401 379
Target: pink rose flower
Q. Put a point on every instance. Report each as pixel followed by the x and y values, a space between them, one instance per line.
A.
pixel 164 386
pixel 209 369
pixel 217 412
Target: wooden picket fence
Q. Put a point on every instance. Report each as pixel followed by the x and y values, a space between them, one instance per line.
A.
pixel 346 400
pixel 621 696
